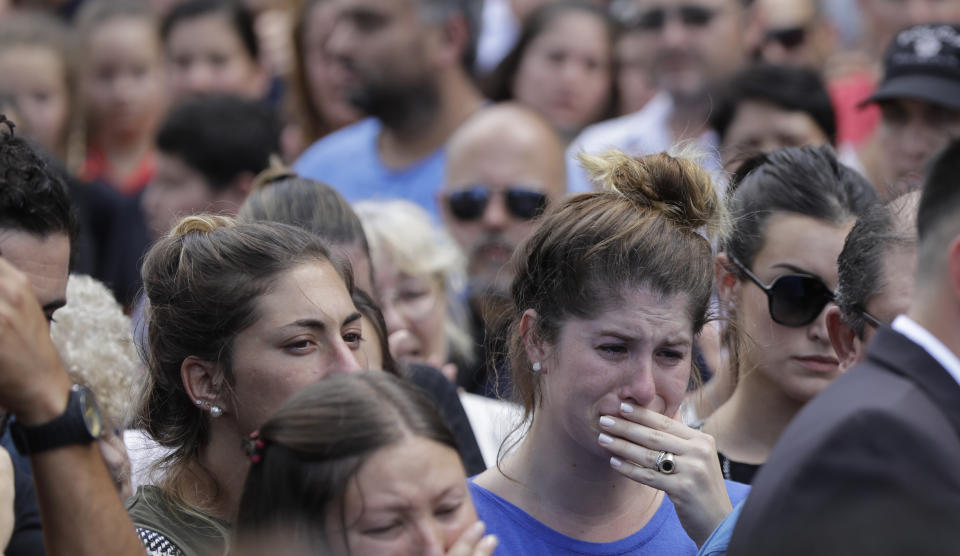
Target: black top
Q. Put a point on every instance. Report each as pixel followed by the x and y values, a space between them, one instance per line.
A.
pixel 443 393
pixel 737 471
pixel 27 539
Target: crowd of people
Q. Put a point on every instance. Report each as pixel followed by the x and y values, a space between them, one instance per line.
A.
pixel 479 277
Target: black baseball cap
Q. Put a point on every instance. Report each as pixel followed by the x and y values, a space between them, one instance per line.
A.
pixel 922 63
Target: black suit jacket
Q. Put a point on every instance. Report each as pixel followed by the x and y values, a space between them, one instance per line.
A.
pixel 870 466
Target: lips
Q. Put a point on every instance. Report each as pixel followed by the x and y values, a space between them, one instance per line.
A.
pixel 819 363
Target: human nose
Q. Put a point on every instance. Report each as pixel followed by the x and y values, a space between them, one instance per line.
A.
pixel 639 388
pixel 342 38
pixel 344 360
pixel 430 537
pixel 674 33
pixel 817 330
pixel 495 215
pixel 200 78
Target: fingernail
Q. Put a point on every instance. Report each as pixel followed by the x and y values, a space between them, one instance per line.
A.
pixel 478 528
pixel 604 439
pixel 606 421
pixel 616 463
pixel 626 408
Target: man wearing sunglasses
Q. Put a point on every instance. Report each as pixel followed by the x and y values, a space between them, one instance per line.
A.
pixel 875 280
pixel 870 465
pixel 504 166
pixel 795 33
pixel 694 46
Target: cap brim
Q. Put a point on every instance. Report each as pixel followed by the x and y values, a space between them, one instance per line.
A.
pixel 938 90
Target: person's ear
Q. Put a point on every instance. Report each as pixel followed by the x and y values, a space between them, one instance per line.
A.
pixel 452 41
pixel 953 268
pixel 532 342
pixel 202 381
pixel 845 342
pixel 728 283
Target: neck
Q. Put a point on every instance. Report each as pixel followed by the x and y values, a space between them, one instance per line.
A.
pixel 929 312
pixel 748 425
pixel 690 117
pixel 219 475
pixel 595 503
pixel 423 124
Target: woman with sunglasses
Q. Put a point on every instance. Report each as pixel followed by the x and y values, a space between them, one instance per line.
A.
pixel 776 273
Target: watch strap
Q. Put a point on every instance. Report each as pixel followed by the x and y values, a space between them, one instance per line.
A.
pixel 68 428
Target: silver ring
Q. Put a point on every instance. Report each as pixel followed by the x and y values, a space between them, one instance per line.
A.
pixel 666 463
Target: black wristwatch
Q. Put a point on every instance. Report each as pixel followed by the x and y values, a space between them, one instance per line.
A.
pixel 78 424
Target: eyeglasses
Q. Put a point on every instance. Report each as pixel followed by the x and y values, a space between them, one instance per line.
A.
pixel 793 299
pixel 470 203
pixel 689 16
pixel 789 38
pixel 871 320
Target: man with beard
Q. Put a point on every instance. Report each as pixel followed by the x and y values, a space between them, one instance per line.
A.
pixel 695 45
pixel 407 64
pixel 504 166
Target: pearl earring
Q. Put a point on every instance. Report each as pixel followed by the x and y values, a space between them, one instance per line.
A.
pixel 537 367
pixel 215 411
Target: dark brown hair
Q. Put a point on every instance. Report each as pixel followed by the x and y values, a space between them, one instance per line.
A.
pixel 318 440
pixel 202 282
pixel 641 230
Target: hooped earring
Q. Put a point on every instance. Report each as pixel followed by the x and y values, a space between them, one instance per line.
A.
pixel 537 367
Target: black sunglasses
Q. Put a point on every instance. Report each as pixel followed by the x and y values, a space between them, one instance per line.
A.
pixel 870 319
pixel 788 38
pixel 690 16
pixel 470 203
pixel 793 299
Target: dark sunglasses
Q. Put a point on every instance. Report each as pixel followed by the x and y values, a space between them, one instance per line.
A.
pixel 789 38
pixel 690 16
pixel 793 299
pixel 469 204
pixel 870 319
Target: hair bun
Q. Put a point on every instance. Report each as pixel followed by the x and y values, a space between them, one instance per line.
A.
pixel 676 186
pixel 201 224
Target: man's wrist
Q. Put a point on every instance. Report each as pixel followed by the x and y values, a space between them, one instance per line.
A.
pixel 47 404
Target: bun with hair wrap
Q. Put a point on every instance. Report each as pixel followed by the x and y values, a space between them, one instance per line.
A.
pixel 676 186
pixel 202 224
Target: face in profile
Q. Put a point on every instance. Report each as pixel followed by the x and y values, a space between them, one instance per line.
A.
pixel 205 54
pixel 325 76
pixel 306 329
pixel 638 350
pixel 799 361
pixel 568 82
pixel 407 498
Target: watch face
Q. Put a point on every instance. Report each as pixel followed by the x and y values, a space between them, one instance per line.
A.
pixel 91 413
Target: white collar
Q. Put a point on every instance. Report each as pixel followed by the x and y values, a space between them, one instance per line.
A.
pixel 922 337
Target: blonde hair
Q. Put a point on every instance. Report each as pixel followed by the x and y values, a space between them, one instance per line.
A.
pixel 95 342
pixel 405 232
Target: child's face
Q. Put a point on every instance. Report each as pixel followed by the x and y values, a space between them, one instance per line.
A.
pixel 123 77
pixel 35 77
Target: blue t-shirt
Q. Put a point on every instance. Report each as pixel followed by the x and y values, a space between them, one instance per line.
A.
pixel 349 161
pixel 519 533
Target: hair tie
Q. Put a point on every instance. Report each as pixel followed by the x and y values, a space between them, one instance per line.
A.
pixel 254 447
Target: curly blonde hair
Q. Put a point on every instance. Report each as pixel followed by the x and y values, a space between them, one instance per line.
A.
pixel 95 342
